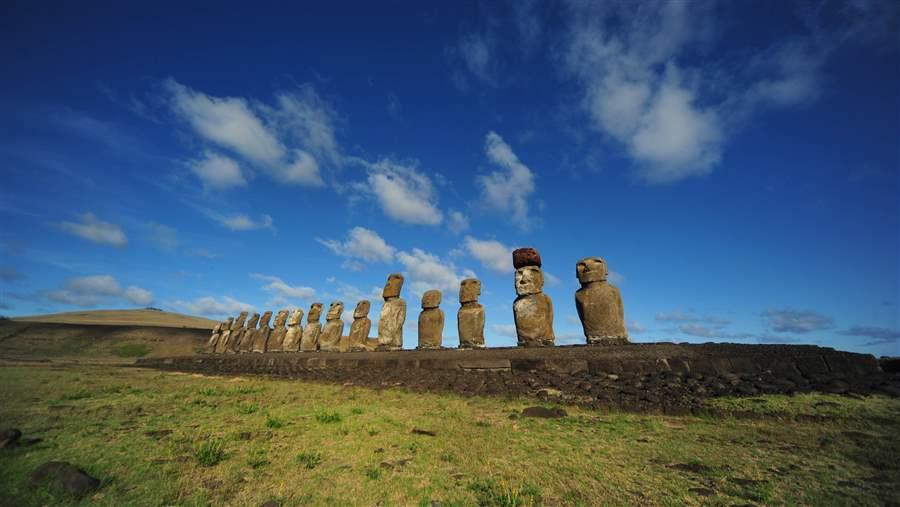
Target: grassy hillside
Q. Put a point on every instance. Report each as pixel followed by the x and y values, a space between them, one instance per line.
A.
pixel 157 438
pixel 123 318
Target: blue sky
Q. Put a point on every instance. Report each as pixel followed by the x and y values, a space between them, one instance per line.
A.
pixel 735 163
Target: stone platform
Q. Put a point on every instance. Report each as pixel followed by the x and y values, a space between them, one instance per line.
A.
pixel 658 377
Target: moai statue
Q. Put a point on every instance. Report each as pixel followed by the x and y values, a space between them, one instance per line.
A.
pixel 533 310
pixel 599 304
pixel 237 331
pixel 431 321
pixel 393 314
pixel 359 330
pixel 470 319
pixel 330 339
pixel 261 337
pixel 294 332
pixel 214 338
pixel 276 337
pixel 249 334
pixel 312 330
pixel 222 344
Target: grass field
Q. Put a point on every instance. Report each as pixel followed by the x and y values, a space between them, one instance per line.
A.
pixel 123 318
pixel 159 438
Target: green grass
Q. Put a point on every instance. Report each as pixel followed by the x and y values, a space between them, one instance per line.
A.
pixel 309 460
pixel 132 350
pixel 163 438
pixel 209 453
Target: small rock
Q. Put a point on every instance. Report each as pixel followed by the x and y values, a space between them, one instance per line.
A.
pixel 244 435
pixel 544 413
pixel 270 503
pixel 419 431
pixel 612 377
pixel 73 480
pixel 694 467
pixel 702 491
pixel 158 434
pixel 9 438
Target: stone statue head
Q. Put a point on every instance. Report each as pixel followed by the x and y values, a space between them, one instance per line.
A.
pixel 393 286
pixel 264 320
pixel 280 317
pixel 251 324
pixel 469 290
pixel 315 310
pixel 239 321
pixel 362 309
pixel 296 318
pixel 431 299
pixel 529 280
pixel 217 328
pixel 335 311
pixel 227 323
pixel 591 269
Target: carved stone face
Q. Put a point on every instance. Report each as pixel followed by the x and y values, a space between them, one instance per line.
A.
pixel 296 318
pixel 315 311
pixel 239 322
pixel 393 286
pixel 280 318
pixel 253 320
pixel 362 309
pixel 228 323
pixel 529 280
pixel 264 320
pixel 469 290
pixel 431 299
pixel 335 311
pixel 591 269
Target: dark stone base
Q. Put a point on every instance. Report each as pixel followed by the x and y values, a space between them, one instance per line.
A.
pixel 658 376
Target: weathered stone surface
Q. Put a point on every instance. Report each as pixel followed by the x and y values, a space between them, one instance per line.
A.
pixel 276 337
pixel 237 331
pixel 312 330
pixel 330 339
pixel 599 304
pixel 393 314
pixel 225 336
pixel 470 318
pixel 431 321
pixel 249 334
pixel 359 329
pixel 214 338
pixel 72 480
pixel 533 310
pixel 294 336
pixel 526 257
pixel 261 336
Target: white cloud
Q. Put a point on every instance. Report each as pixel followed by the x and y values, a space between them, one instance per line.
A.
pixel 362 244
pixel 796 321
pixel 551 279
pixel 228 122
pixel 457 222
pixel 282 140
pixel 280 287
pixel 303 170
pixel 428 271
pixel 165 237
pixel 615 278
pixel 240 222
pixel 506 191
pixel 93 229
pixel 138 295
pixel 508 330
pixel 402 192
pixel 635 327
pixel 90 291
pixel 477 53
pixel 218 172
pixel 208 305
pixel 633 61
pixel 492 254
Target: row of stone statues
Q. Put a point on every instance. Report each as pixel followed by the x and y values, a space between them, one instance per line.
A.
pixel 599 306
